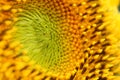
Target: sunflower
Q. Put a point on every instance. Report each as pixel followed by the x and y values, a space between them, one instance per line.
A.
pixel 59 40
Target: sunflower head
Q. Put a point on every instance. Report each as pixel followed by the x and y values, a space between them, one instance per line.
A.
pixel 59 39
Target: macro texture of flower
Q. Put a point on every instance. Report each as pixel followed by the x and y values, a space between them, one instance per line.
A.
pixel 59 40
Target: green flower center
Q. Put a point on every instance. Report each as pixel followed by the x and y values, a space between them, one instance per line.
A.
pixel 40 37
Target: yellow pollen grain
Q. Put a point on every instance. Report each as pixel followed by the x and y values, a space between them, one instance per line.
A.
pixel 93 5
pixel 25 58
pixel 8 22
pixel 85 16
pixel 20 65
pixel 18 0
pixel 91 52
pixel 108 65
pixel 20 10
pixel 98 33
pixel 88 27
pixel 98 65
pixel 102 40
pixel 14 44
pixel 83 3
pixel 26 73
pixel 15 19
pixel 74 5
pixel 96 57
pixel 8 52
pixel 99 16
pixel 14 10
pixel 7 37
pixel 2 44
pixel 97 71
pixel 6 7
pixel 94 25
pixel 80 14
pixel 105 57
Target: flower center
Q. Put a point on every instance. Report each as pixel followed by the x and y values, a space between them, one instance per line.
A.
pixel 40 37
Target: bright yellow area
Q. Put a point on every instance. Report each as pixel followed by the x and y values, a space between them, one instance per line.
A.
pixel 113 15
pixel 112 5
